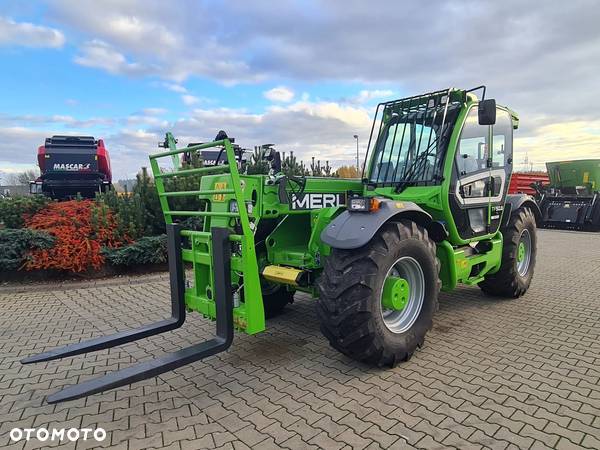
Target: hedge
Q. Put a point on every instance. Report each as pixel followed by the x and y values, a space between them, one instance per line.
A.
pixel 13 210
pixel 15 246
pixel 82 228
pixel 146 250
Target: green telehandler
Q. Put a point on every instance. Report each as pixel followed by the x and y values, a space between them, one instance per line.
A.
pixel 430 211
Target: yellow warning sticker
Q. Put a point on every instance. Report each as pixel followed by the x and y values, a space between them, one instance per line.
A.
pixel 399 205
pixel 219 186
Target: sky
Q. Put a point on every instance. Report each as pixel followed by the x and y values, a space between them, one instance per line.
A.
pixel 305 75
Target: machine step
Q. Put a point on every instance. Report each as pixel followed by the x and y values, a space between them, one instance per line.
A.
pixel 286 275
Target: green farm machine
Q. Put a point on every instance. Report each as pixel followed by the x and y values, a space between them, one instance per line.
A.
pixel 572 199
pixel 430 211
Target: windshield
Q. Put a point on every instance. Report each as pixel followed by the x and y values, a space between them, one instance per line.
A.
pixel 412 145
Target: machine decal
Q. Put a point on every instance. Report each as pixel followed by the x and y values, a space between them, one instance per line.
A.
pixel 219 186
pixel 316 200
pixel 71 167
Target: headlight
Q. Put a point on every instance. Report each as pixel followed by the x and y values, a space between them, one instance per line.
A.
pixel 358 204
pixel 363 204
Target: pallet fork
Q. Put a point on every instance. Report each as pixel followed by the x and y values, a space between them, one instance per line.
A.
pixel 216 254
pixel 224 326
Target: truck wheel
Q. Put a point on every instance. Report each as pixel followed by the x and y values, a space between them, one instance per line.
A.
pixel 377 302
pixel 518 257
pixel 275 298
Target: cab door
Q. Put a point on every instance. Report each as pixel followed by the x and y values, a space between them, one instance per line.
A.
pixel 481 170
pixel 501 159
pixel 469 189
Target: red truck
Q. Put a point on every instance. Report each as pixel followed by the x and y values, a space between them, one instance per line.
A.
pixel 71 166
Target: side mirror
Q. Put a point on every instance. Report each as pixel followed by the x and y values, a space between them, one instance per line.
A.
pixel 276 163
pixel 273 157
pixel 268 154
pixel 487 112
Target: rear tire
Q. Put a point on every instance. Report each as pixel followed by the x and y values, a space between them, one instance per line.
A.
pixel 276 299
pixel 518 257
pixel 350 308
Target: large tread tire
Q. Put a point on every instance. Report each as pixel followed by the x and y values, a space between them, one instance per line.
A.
pixel 349 306
pixel 507 282
pixel 275 302
pixel 275 296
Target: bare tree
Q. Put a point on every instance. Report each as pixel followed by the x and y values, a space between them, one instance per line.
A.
pixel 21 178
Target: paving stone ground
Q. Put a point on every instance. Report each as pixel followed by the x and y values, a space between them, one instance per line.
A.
pixel 493 373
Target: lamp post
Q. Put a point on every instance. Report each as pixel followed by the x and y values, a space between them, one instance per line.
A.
pixel 357 163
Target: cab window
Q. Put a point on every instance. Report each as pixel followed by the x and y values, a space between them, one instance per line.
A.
pixel 502 131
pixel 472 152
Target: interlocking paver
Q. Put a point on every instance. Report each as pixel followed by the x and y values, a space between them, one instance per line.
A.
pixel 322 440
pixel 495 374
pixel 250 435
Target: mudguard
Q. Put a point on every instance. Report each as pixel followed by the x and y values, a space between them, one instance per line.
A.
pixel 515 201
pixel 353 230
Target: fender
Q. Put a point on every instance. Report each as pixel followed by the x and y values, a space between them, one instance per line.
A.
pixel 516 201
pixel 353 230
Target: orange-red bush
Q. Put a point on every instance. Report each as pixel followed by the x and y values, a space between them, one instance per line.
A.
pixel 82 228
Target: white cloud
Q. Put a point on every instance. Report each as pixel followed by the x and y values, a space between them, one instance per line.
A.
pixel 82 123
pixel 366 95
pixel 20 145
pixel 172 43
pixel 136 32
pixel 556 141
pixel 347 114
pixel 149 37
pixel 271 43
pixel 321 129
pixel 129 149
pixel 154 111
pixel 100 55
pixel 147 120
pixel 175 87
pixel 29 35
pixel 32 120
pixel 13 169
pixel 279 94
pixel 189 99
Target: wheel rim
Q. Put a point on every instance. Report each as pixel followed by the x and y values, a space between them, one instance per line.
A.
pixel 407 276
pixel 524 253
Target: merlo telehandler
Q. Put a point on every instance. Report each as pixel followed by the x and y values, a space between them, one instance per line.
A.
pixel 430 211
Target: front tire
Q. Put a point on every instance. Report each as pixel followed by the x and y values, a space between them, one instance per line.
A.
pixel 275 296
pixel 356 317
pixel 275 299
pixel 518 257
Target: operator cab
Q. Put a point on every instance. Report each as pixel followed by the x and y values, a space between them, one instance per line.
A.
pixel 450 141
pixel 482 167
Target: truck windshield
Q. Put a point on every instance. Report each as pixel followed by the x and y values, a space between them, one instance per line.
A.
pixel 411 147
